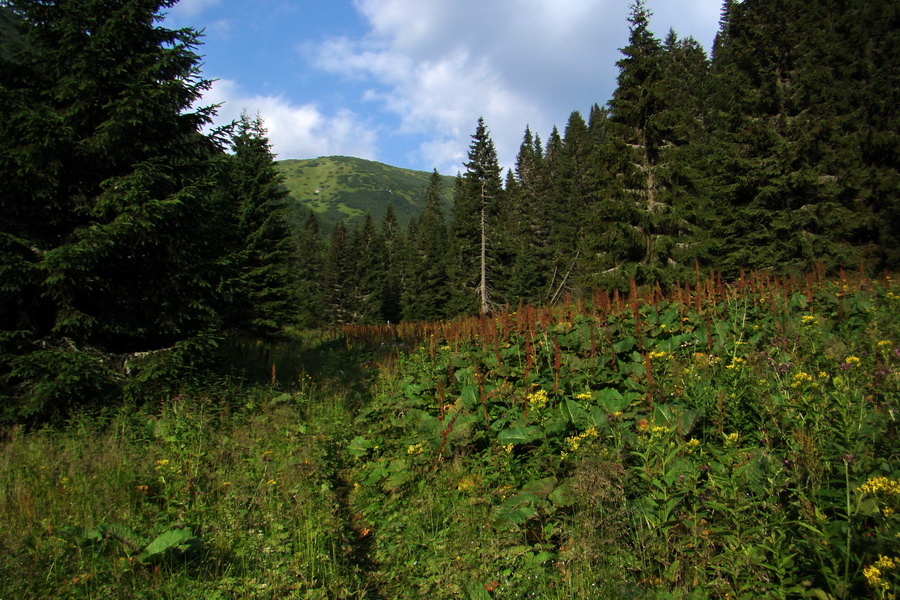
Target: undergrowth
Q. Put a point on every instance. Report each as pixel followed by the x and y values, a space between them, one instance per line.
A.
pixel 724 442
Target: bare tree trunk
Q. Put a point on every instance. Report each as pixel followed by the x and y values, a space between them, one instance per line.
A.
pixel 485 309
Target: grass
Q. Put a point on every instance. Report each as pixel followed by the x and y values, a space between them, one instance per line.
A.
pixel 341 188
pixel 722 442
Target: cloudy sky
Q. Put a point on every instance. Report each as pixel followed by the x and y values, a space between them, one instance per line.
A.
pixel 404 81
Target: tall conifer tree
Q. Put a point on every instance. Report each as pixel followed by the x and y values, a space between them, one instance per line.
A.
pixel 106 214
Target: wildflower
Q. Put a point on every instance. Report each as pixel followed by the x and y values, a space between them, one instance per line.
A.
pixel 141 489
pixel 872 575
pixel 887 511
pixel 617 413
pixel 661 355
pixel 823 375
pixel 884 343
pixel 414 449
pixel 808 320
pixel 583 396
pixel 226 483
pixel 731 438
pixel 643 425
pixel 735 363
pixel 659 430
pixel 271 482
pixel 508 448
pixel 801 379
pixel 883 485
pixel 852 360
pixel 538 400
pixel 161 463
pixel 692 444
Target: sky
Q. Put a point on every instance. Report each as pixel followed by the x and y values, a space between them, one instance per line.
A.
pixel 404 82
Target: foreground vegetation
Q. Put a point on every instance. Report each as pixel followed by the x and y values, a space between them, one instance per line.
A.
pixel 731 441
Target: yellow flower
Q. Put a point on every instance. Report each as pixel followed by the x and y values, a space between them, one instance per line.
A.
pixel 538 399
pixel 872 575
pixel 885 343
pixel 885 485
pixel 808 320
pixel 583 396
pixel 693 443
pixel 731 438
pixel 655 355
pixel 801 379
pixel 508 448
pixel 852 360
pixel 271 482
pixel 414 449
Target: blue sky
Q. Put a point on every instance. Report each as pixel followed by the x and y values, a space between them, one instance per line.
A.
pixel 405 81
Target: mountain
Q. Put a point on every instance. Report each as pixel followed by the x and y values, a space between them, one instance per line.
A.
pixel 344 188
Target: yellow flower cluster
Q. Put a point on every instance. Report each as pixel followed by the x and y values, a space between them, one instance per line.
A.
pixel 663 355
pixel 808 320
pixel 414 449
pixel 659 430
pixel 881 485
pixel 885 344
pixel 801 379
pixel 508 448
pixel 583 396
pixel 852 360
pixel 538 400
pixel 736 362
pixel 575 440
pixel 731 438
pixel 873 573
pixel 692 444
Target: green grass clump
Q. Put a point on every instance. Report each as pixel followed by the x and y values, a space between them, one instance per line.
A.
pixel 201 498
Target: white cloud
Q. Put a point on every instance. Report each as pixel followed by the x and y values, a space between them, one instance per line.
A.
pixel 440 64
pixel 192 8
pixel 296 131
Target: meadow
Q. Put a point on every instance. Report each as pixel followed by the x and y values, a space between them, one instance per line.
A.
pixel 719 440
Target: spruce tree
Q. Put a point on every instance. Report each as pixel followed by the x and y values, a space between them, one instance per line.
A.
pixel 108 215
pixel 307 267
pixel 339 278
pixel 477 201
pixel 644 216
pixel 262 300
pixel 392 285
pixel 425 294
pixel 370 273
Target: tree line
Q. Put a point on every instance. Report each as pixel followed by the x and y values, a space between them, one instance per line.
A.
pixel 777 152
pixel 133 241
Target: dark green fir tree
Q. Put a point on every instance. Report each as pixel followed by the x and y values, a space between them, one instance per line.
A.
pixel 108 217
pixel 262 298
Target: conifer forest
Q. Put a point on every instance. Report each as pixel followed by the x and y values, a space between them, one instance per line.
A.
pixel 656 358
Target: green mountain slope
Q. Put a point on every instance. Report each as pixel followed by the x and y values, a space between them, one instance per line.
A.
pixel 343 188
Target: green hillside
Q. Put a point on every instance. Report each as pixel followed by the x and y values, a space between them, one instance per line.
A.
pixel 344 188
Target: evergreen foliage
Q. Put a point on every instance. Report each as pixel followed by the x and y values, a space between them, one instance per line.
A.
pixel 262 298
pixel 425 295
pixel 108 216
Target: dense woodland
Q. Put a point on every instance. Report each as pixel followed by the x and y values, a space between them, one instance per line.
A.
pixel 132 243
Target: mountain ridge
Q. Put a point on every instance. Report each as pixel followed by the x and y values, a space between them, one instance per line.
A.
pixel 346 188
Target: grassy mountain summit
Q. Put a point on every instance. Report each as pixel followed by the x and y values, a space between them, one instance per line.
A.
pixel 344 188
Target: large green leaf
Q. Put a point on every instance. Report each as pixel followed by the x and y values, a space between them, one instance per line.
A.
pixel 181 539
pixel 519 435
